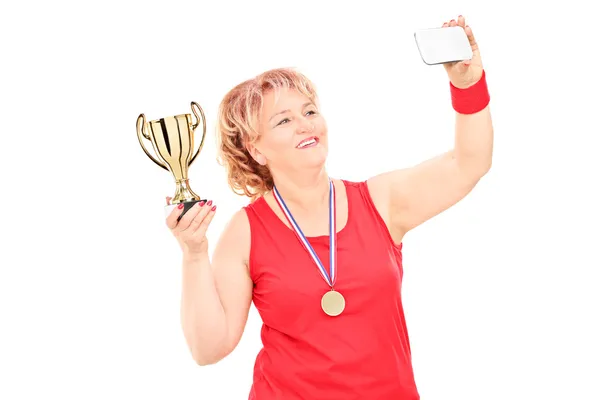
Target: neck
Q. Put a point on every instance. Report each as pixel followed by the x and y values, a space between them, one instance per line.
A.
pixel 305 190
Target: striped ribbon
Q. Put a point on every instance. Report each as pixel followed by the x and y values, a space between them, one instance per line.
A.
pixel 329 278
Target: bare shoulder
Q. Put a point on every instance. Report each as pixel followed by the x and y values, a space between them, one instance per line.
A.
pixel 235 238
pixel 380 190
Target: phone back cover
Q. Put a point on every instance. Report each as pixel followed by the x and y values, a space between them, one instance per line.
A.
pixel 442 45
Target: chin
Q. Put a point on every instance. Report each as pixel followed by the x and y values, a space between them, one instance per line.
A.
pixel 315 158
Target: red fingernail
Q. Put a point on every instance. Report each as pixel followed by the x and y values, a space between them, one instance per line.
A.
pixel 201 203
pixel 209 203
pixel 214 208
pixel 180 206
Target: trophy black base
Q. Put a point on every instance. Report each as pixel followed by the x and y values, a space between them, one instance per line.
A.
pixel 186 207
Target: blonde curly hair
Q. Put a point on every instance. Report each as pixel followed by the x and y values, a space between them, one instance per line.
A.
pixel 238 126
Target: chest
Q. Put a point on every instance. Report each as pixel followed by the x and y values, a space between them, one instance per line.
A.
pixel 313 223
pixel 289 285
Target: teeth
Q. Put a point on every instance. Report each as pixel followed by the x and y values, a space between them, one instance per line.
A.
pixel 311 141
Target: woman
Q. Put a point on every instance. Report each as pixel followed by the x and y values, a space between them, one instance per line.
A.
pixel 321 258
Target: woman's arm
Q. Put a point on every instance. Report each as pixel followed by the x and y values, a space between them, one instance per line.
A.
pixel 411 196
pixel 408 197
pixel 216 296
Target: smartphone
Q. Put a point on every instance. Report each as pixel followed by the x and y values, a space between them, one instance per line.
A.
pixel 443 45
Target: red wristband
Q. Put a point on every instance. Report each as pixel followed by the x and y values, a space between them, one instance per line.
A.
pixel 472 99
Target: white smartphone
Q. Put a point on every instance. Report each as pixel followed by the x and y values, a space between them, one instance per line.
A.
pixel 443 45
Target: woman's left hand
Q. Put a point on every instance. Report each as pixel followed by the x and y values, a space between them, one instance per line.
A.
pixel 466 73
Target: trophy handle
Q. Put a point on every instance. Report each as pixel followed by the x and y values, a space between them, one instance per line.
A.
pixel 197 110
pixel 141 131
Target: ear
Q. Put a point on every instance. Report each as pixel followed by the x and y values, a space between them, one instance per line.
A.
pixel 256 154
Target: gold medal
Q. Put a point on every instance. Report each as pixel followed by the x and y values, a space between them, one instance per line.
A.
pixel 333 303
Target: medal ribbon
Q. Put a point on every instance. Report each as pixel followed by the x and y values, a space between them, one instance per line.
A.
pixel 329 278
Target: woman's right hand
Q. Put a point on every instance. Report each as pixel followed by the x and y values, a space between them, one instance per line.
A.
pixel 190 231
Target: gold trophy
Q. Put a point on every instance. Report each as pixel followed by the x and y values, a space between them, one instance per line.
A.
pixel 173 141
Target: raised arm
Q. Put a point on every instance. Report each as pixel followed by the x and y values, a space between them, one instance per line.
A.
pixel 216 296
pixel 408 197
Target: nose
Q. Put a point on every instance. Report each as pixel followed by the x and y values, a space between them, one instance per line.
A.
pixel 305 126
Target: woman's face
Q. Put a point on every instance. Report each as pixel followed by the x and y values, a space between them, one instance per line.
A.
pixel 293 134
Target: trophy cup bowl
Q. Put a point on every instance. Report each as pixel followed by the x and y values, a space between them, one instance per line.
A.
pixel 172 139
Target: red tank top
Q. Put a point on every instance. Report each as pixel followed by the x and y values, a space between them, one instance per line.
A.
pixel 364 353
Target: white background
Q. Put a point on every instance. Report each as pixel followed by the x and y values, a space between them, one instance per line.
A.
pixel 501 291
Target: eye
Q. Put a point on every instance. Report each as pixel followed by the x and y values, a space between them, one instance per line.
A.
pixel 285 120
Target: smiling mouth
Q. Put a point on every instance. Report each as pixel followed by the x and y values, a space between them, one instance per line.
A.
pixel 308 142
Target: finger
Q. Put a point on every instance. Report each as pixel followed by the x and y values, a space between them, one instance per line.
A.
pixel 201 231
pixel 445 25
pixel 452 22
pixel 470 35
pixel 169 200
pixel 204 210
pixel 461 21
pixel 472 41
pixel 189 216
pixel 174 215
